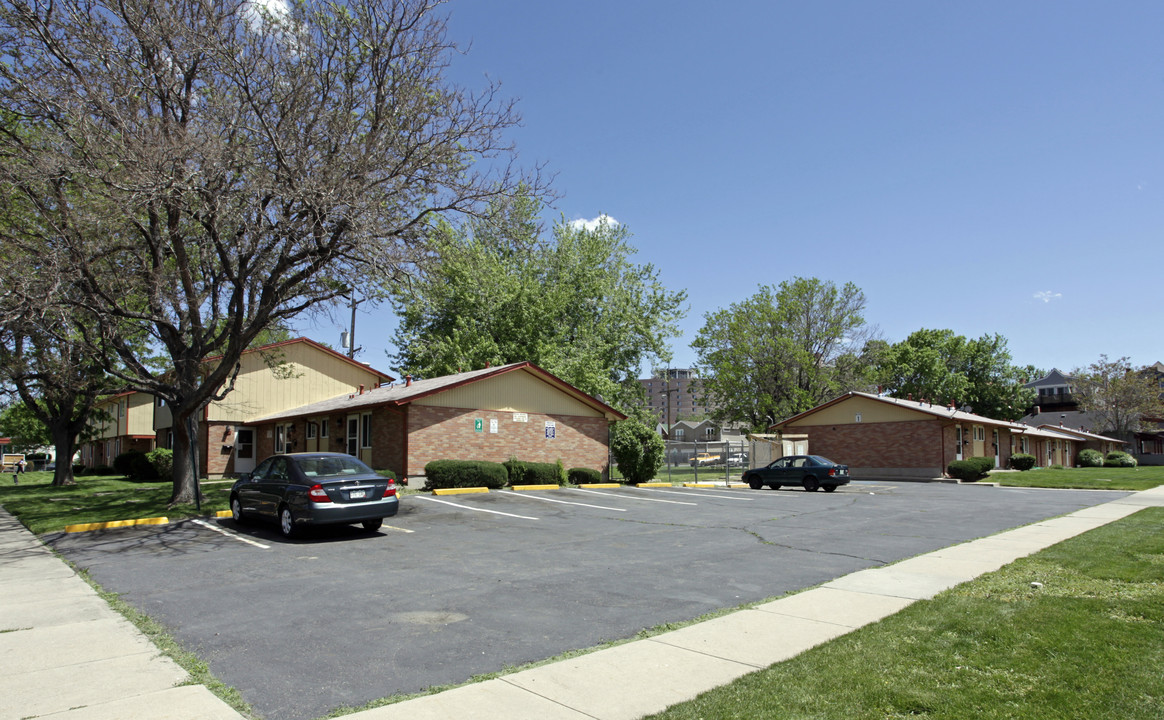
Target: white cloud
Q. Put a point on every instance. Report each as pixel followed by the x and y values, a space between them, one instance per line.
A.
pixel 593 224
pixel 1047 296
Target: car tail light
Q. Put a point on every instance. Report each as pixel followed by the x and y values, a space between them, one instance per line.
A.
pixel 391 489
pixel 318 494
pixel 832 472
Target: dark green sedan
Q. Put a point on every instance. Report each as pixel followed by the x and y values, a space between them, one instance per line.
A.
pixel 811 472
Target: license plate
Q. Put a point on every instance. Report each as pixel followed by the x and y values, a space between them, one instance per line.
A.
pixel 358 494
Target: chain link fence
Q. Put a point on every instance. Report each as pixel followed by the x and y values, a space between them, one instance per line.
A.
pixel 722 460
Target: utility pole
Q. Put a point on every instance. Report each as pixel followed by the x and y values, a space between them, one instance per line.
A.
pixel 350 340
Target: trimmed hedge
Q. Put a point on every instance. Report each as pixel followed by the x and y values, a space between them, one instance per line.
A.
pixel 971 468
pixel 443 474
pixel 1117 458
pixel 521 472
pixel 582 476
pixel 1022 461
pixel 1090 458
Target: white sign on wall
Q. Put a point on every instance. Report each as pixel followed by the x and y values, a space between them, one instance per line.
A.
pixel 551 429
pixel 520 417
pixel 493 425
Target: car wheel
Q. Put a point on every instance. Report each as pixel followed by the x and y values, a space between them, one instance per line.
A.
pixel 373 525
pixel 287 522
pixel 829 488
pixel 810 484
pixel 236 511
pixel 774 486
pixel 754 483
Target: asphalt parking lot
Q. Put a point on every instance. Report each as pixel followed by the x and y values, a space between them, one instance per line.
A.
pixel 458 586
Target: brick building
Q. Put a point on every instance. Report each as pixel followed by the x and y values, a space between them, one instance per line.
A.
pixel 884 437
pixel 674 394
pixel 516 410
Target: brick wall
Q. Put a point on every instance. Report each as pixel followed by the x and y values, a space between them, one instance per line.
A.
pixel 916 444
pixel 437 433
pixel 218 440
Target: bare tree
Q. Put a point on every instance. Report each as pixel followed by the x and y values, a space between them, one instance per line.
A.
pixel 44 361
pixel 205 168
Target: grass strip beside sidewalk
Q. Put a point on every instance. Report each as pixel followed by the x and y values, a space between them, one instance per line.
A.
pixel 1137 478
pixel 1088 642
pixel 44 508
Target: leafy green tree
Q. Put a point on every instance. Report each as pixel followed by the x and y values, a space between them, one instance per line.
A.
pixel 942 367
pixel 573 303
pixel 783 350
pixel 202 171
pixel 1118 395
pixel 637 449
pixel 24 429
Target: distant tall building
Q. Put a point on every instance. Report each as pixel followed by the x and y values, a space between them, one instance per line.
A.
pixel 674 393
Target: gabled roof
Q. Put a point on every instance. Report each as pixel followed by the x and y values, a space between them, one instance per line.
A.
pixel 939 411
pixel 942 412
pixel 1082 434
pixel 397 395
pixel 384 377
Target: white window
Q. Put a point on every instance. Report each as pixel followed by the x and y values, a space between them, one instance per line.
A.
pixel 311 430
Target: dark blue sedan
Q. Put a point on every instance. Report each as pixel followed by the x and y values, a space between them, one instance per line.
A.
pixel 811 472
pixel 303 489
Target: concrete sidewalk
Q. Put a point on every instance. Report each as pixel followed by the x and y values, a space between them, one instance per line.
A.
pixel 65 654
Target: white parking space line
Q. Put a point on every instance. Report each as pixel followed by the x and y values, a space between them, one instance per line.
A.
pixel 229 534
pixel 395 529
pixel 628 496
pixel 703 493
pixel 470 507
pixel 527 496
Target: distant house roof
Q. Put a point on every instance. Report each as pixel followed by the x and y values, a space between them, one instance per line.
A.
pixel 396 395
pixel 1055 377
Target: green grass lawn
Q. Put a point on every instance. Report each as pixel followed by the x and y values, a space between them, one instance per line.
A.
pixel 1088 644
pixel 44 508
pixel 1137 478
pixel 686 473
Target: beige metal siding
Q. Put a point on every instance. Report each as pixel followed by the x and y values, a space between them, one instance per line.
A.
pixel 846 411
pixel 516 391
pixel 141 414
pixel 308 375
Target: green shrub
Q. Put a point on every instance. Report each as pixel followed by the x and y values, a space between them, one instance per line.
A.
pixel 1089 458
pixel 966 470
pixel 163 461
pixel 1117 458
pixel 516 470
pixel 638 450
pixel 135 466
pixel 443 474
pixel 99 470
pixel 1022 461
pixel 584 476
pixel 985 464
pixel 560 469
pixel 388 474
pixel 540 474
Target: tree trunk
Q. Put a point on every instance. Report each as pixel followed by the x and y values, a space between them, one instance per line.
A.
pixel 64 437
pixel 185 428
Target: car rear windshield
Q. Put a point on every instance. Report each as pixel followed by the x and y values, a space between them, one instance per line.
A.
pixel 821 461
pixel 325 467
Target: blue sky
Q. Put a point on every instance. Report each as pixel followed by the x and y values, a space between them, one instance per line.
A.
pixel 990 167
